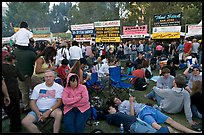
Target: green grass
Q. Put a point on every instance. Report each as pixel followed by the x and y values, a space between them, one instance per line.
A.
pixel 103 125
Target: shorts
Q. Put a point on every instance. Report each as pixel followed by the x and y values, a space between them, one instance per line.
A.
pixel 35 115
pixel 150 115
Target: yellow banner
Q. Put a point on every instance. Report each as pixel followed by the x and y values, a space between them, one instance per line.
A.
pixel 166 35
pixel 16 29
pixel 41 35
pixel 107 39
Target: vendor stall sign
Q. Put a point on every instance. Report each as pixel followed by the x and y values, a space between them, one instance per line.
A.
pixel 108 31
pixel 44 30
pixel 166 29
pixel 83 32
pixel 130 30
pixel 166 35
pixel 195 29
pixel 172 19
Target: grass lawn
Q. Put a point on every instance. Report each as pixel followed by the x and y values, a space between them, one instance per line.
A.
pixel 104 126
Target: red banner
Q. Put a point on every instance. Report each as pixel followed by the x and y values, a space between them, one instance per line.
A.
pixel 130 30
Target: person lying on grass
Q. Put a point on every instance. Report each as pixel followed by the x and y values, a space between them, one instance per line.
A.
pixel 147 113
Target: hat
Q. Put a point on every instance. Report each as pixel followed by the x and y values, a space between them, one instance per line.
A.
pixel 196 66
pixel 5 48
pixel 63 44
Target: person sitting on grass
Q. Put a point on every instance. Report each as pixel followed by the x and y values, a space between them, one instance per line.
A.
pixel 196 97
pixel 131 123
pixel 150 115
pixel 165 80
pixel 193 76
pixel 174 100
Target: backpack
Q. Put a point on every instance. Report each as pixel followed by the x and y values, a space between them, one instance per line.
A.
pixel 148 75
pixel 140 84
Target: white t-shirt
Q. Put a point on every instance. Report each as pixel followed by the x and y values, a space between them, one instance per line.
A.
pixel 75 53
pixel 59 56
pixel 103 69
pixel 46 96
pixel 22 37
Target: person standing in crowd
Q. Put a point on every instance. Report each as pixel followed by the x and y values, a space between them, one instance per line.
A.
pixel 45 101
pixel 10 74
pixel 76 105
pixel 5 99
pixel 75 53
pixel 126 51
pixel 22 37
pixel 187 48
pixel 195 46
pixel 88 51
pixel 200 53
pixel 27 59
pixel 62 53
pixel 133 47
pixel 180 50
pixel 44 61
pixel 148 51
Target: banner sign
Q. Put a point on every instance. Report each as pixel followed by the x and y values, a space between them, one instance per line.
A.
pixel 166 35
pixel 45 30
pixel 173 19
pixel 107 34
pixel 82 26
pixel 108 31
pixel 41 35
pixel 166 29
pixel 194 29
pixel 83 32
pixel 135 36
pixel 129 30
pixel 107 23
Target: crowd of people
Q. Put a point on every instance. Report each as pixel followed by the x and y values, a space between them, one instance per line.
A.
pixel 50 80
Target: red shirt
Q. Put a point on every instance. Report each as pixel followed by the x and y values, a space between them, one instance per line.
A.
pixel 138 73
pixel 187 47
pixel 61 72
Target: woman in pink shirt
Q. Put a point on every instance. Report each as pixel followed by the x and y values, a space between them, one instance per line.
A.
pixel 76 105
pixel 159 50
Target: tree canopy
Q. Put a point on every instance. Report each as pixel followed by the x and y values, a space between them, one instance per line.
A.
pixel 60 17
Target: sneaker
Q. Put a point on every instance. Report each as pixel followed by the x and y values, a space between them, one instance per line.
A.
pixel 155 106
pixel 197 127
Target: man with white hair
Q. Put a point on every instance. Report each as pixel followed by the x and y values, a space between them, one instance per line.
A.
pixel 46 99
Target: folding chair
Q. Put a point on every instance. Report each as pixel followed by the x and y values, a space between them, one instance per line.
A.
pixel 116 81
pixel 94 85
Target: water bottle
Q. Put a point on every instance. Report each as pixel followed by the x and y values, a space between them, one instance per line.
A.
pixel 121 128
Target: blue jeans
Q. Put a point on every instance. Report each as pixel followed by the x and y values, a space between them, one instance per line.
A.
pixel 196 112
pixel 152 94
pixel 133 56
pixel 75 120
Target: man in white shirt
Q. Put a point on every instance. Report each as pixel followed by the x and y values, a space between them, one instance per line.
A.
pixel 46 99
pixel 75 53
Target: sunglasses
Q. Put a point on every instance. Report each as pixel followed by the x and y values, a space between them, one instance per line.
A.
pixel 196 70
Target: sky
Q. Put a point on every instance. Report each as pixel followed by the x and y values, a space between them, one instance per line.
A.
pixel 51 4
